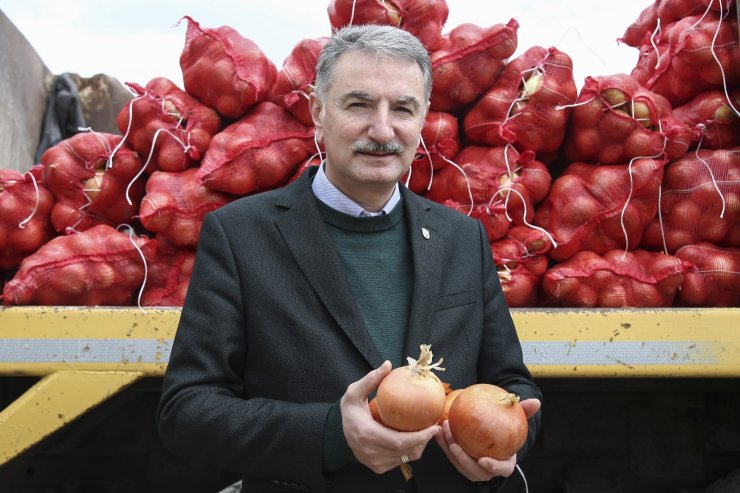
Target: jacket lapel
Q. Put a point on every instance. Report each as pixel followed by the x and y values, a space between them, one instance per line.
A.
pixel 301 225
pixel 428 243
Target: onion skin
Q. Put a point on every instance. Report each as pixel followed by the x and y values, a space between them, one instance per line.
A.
pixel 409 400
pixel 448 402
pixel 487 421
pixel 373 404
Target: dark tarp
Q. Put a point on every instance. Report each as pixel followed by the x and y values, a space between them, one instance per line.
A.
pixel 63 117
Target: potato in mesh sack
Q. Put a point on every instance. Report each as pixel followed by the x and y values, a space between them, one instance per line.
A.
pixel 259 151
pixel 93 177
pixel 25 208
pixel 295 80
pixel 467 63
pixel 528 105
pixel 498 178
pixel 615 120
pixel 699 201
pixel 617 279
pixel 176 203
pixel 715 281
pixel 225 70
pixel 167 127
pixel 98 266
pixel 422 18
pixel 600 208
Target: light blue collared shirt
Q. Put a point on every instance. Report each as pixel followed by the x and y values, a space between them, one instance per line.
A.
pixel 326 192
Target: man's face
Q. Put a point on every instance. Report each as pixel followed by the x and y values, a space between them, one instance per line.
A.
pixel 373 105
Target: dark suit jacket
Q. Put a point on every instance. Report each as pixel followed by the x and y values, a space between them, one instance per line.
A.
pixel 270 337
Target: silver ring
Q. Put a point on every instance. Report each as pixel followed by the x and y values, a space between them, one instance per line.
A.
pixel 405 459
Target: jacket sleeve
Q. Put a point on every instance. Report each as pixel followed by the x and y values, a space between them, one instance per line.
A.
pixel 204 413
pixel 501 362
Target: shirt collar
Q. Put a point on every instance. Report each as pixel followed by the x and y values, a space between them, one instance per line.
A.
pixel 326 192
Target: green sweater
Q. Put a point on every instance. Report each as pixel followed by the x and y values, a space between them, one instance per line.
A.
pixel 376 256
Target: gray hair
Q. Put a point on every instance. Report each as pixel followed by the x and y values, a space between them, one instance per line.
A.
pixel 381 41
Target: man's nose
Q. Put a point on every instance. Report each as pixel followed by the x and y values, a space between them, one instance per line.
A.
pixel 381 127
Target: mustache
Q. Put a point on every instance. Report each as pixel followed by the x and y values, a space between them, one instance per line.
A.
pixel 392 147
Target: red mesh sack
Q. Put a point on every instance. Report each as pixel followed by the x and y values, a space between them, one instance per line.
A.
pixel 422 18
pixel 715 123
pixel 167 127
pixel 25 206
pixel 600 208
pixel 311 162
pixel 468 62
pixel 528 106
pixel 618 279
pixel 672 10
pixel 694 54
pixel 521 262
pixel 699 201
pixel 493 216
pixel 499 182
pixel 295 80
pixel 94 178
pixel 616 120
pixel 99 266
pixel 640 31
pixel 259 151
pixel 440 143
pixel 225 70
pixel 176 203
pixel 169 276
pixel 647 28
pixel 715 281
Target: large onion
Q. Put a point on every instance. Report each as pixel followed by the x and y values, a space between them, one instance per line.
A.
pixel 487 421
pixel 411 398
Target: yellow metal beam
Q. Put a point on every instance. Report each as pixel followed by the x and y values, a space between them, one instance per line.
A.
pixel 671 342
pixel 39 340
pixel 676 342
pixel 54 401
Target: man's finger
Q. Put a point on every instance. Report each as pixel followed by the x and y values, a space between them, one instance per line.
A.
pixel 367 384
pixel 531 406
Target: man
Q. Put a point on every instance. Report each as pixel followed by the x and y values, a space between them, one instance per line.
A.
pixel 303 298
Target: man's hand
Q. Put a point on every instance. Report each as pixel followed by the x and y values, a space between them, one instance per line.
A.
pixel 484 468
pixel 374 445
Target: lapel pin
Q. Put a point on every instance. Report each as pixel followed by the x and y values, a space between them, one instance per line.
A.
pixel 425 233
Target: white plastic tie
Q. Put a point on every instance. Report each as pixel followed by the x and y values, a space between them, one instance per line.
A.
pixel 318 147
pixel 109 164
pixel 565 106
pixel 526 486
pixel 714 182
pixel 660 218
pixel 24 223
pixel 184 146
pixel 467 181
pixel 352 15
pixel 603 63
pixel 431 163
pixel 655 47
pixel 143 259
pixel 524 219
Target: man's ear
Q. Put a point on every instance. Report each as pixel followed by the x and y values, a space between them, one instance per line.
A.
pixel 314 103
